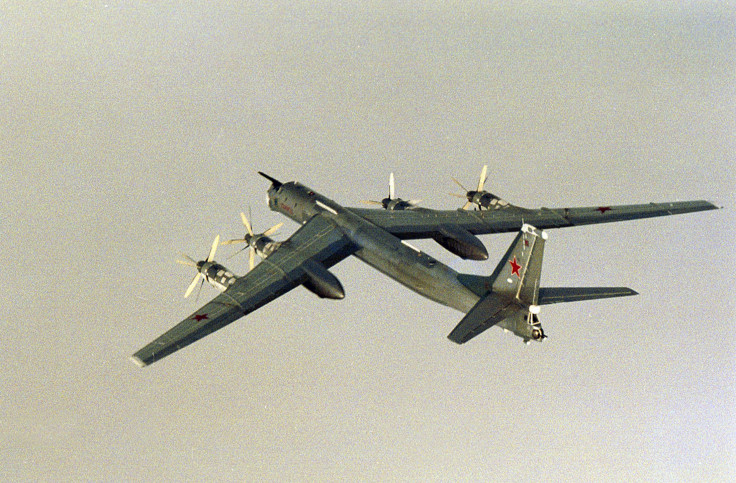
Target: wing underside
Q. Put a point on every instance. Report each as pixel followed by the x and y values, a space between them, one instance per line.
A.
pixel 318 240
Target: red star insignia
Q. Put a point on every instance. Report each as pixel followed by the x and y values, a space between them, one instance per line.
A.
pixel 200 317
pixel 515 267
pixel 603 209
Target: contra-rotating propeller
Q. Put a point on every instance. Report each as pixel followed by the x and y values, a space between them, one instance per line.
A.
pixel 480 197
pixel 259 243
pixel 201 266
pixel 470 194
pixel 392 202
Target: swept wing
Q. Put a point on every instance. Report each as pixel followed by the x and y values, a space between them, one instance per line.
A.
pixel 424 223
pixel 319 240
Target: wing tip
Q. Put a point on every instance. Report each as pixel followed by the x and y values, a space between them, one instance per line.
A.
pixel 705 205
pixel 137 361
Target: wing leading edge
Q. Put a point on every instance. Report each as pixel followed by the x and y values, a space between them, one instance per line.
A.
pixel 319 240
pixel 424 223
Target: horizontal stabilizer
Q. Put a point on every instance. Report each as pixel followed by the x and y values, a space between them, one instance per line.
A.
pixel 553 295
pixel 489 311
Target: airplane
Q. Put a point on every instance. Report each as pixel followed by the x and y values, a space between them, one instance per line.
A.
pixel 510 297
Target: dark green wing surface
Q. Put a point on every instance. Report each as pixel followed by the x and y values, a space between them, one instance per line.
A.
pixel 553 295
pixel 425 223
pixel 489 311
pixel 317 240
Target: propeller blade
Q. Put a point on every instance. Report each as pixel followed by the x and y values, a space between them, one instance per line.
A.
pixel 231 256
pixel 246 223
pixel 273 229
pixel 467 205
pixel 192 285
pixel 189 261
pixel 252 258
pixel 232 242
pixel 213 250
pixel 414 202
pixel 391 187
pixel 199 292
pixel 461 186
pixel 371 202
pixel 482 180
pixel 458 196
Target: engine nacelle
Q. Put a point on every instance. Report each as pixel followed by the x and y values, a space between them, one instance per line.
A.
pixel 486 200
pixel 218 276
pixel 461 242
pixel 321 282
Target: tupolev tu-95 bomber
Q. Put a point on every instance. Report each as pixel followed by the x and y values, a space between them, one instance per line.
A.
pixel 510 297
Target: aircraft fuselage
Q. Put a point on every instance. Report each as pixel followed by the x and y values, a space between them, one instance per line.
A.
pixel 378 248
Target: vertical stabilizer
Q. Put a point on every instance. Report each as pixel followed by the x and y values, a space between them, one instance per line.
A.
pixel 518 273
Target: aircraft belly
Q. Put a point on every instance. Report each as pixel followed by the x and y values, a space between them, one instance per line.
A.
pixel 407 265
pixel 436 282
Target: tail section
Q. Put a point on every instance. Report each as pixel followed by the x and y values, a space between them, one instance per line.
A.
pixel 517 275
pixel 514 289
pixel 511 296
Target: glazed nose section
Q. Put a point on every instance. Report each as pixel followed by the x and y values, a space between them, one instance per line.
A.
pixel 272 190
pixel 271 199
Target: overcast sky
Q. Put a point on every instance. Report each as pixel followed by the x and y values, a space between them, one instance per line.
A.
pixel 131 133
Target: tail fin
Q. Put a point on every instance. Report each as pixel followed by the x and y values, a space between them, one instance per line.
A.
pixel 517 274
pixel 513 285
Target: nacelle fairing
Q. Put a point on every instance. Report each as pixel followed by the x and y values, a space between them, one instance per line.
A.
pixel 263 245
pixel 321 282
pixel 461 242
pixel 396 204
pixel 216 275
pixel 486 201
pixel 479 197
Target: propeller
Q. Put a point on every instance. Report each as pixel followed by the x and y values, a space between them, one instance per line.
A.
pixel 468 193
pixel 189 261
pixel 250 239
pixel 392 202
pixel 468 203
pixel 482 179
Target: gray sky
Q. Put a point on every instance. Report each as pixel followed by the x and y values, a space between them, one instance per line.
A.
pixel 131 132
